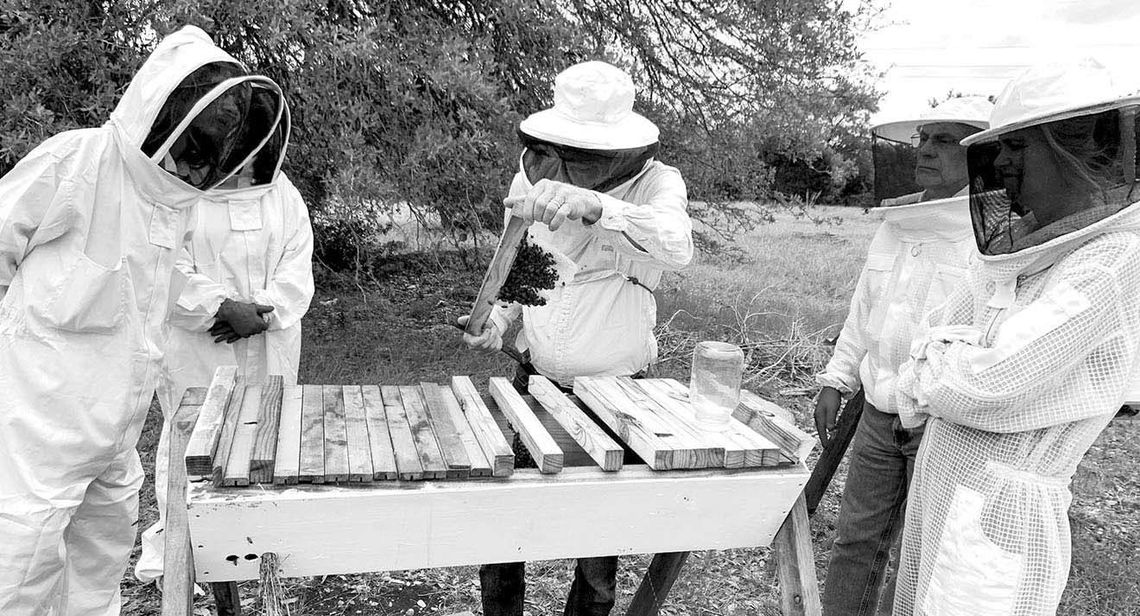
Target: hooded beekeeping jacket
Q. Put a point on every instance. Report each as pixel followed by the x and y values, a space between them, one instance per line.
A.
pixel 1020 371
pixel 251 244
pixel 90 229
pixel 917 257
pixel 596 321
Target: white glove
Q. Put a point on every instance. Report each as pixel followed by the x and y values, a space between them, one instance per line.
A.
pixel 489 341
pixel 553 203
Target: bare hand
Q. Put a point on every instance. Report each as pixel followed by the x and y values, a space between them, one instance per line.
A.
pixel 490 340
pixel 826 412
pixel 553 203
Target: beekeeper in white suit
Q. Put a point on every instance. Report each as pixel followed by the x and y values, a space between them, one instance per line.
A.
pixel 92 224
pixel 917 257
pixel 251 251
pixel 589 181
pixel 1028 361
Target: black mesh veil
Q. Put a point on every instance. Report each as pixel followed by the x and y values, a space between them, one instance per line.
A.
pixel 599 170
pixel 202 147
pixel 266 113
pixel 894 162
pixel 1043 181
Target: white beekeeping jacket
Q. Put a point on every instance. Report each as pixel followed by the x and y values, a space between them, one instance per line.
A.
pixel 90 229
pixel 1020 371
pixel 251 244
pixel 917 257
pixel 600 323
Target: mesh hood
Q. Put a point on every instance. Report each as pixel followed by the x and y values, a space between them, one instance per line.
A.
pixel 1045 181
pixel 599 170
pixel 174 59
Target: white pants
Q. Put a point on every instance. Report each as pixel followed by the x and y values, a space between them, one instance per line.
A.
pixel 66 557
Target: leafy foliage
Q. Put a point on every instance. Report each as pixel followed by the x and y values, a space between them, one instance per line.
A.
pixel 416 102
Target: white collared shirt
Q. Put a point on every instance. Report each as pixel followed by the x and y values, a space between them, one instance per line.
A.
pixel 598 323
pixel 917 257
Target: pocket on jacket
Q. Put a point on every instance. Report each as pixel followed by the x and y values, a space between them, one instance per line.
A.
pixel 90 298
pixel 877 272
pixel 972 575
pixel 946 280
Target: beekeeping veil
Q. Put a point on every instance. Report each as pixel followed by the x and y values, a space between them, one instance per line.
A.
pixel 213 120
pixel 591 137
pixel 895 142
pixel 1062 144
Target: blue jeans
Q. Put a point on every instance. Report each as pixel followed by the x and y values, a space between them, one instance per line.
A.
pixel 871 517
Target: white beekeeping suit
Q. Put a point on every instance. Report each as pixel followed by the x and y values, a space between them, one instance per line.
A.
pixel 253 243
pixel 1029 360
pixel 91 229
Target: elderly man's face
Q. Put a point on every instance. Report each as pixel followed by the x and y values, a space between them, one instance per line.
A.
pixel 941 167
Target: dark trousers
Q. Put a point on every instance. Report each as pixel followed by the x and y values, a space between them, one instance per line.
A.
pixel 871 517
pixel 592 593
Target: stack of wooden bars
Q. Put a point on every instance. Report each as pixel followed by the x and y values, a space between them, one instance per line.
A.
pixel 269 433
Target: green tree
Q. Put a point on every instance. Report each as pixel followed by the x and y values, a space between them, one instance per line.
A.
pixel 417 101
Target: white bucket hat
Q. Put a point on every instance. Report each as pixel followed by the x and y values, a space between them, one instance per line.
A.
pixel 593 109
pixel 1052 92
pixel 969 110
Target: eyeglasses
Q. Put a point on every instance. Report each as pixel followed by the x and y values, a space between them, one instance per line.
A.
pixel 938 140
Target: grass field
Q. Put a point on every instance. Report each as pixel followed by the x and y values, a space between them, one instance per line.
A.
pixel 789 294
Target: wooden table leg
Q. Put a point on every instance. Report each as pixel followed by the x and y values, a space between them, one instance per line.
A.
pixel 655 586
pixel 795 564
pixel 178 559
pixel 833 454
pixel 227 598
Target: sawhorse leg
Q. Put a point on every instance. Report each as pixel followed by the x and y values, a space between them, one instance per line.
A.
pixel 655 586
pixel 178 561
pixel 795 563
pixel 227 598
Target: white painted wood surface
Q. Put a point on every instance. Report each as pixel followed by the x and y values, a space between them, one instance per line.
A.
pixel 319 530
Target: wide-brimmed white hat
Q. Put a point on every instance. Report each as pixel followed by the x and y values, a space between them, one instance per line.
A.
pixel 969 110
pixel 1052 92
pixel 593 109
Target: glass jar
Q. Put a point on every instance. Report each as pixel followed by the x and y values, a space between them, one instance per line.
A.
pixel 714 384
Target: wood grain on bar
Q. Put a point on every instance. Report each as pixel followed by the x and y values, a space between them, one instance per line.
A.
pixel 758 414
pixel 204 440
pixel 287 461
pixel 408 460
pixel 547 456
pixel 446 433
pixel 643 440
pixel 312 459
pixel 356 429
pixel 336 435
pixel 268 424
pixel 427 446
pixel 602 449
pixel 237 465
pixel 229 428
pixel 483 425
pixel 379 439
pixel 496 274
pixel 480 467
pixel 695 448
